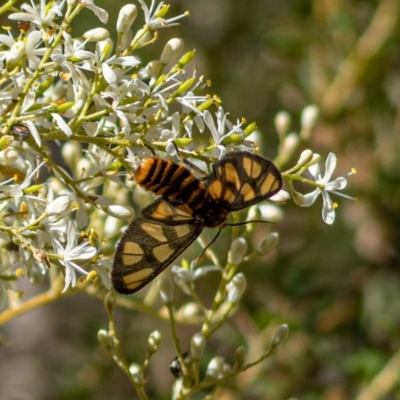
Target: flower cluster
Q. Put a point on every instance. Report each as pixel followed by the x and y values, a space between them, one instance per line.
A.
pixel 103 105
pixel 77 113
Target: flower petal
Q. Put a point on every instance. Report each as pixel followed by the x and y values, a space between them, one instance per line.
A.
pixel 328 212
pixel 310 198
pixel 337 184
pixel 330 166
pixel 315 171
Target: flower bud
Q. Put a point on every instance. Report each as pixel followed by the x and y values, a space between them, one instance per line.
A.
pixel 309 116
pixel 282 197
pixel 122 212
pixel 298 198
pixel 197 345
pixel 215 367
pixel 290 143
pixel 188 311
pixel 305 157
pixel 109 301
pixel 153 342
pixel 155 67
pixel 237 251
pixel 126 39
pixel 308 119
pixel 240 356
pixel 165 287
pixel 96 34
pixel 316 158
pixel 280 333
pixel 137 376
pixel 269 242
pixel 226 369
pixel 171 50
pixel 282 123
pixel 126 17
pixel 253 213
pixel 105 340
pixel 236 288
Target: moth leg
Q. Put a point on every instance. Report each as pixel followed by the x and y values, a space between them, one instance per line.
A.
pixel 189 163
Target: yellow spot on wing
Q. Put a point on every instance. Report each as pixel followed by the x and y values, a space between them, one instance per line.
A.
pixel 270 184
pixel 247 165
pixel 182 230
pixel 162 252
pixel 247 192
pixel 132 281
pixel 180 212
pixel 255 169
pixel 163 211
pixel 215 189
pixel 231 175
pixel 132 248
pixel 229 196
pixel 155 231
pixel 130 259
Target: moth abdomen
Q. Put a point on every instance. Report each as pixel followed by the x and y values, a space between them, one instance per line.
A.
pixel 172 181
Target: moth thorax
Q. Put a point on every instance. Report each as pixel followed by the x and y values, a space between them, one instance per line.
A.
pixel 213 215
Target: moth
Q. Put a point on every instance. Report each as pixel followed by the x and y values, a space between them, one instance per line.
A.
pixel 184 207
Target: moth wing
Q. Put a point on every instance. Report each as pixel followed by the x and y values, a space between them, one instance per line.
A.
pixel 159 234
pixel 242 179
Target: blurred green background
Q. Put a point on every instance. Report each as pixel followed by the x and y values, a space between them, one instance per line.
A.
pixel 337 287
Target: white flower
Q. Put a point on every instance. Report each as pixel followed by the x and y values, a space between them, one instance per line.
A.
pixel 223 129
pixel 19 49
pixel 72 254
pixel 328 209
pixel 185 277
pixel 40 15
pixel 103 268
pixel 17 190
pixel 151 15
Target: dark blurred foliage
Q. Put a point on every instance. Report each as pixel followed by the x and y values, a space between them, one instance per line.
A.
pixel 338 287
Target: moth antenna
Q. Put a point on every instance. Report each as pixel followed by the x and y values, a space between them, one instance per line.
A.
pixel 209 244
